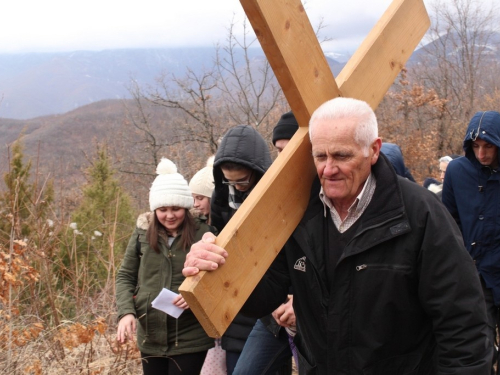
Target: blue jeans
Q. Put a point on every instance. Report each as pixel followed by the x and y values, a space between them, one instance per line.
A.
pixel 263 352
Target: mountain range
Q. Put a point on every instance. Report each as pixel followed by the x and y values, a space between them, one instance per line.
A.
pixel 39 84
pixel 63 103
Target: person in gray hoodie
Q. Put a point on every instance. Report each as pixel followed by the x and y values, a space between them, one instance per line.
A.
pixel 241 160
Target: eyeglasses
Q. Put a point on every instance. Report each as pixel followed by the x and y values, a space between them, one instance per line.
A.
pixel 240 183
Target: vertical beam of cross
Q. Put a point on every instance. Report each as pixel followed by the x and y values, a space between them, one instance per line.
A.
pixel 267 218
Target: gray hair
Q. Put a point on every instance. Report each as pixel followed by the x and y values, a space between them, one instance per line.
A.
pixel 367 128
pixel 445 159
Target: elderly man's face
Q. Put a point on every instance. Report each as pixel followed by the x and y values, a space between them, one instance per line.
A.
pixel 442 169
pixel 340 162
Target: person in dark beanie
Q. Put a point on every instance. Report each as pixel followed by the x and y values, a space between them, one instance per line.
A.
pixel 284 130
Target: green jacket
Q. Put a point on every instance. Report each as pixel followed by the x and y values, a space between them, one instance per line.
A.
pixel 140 280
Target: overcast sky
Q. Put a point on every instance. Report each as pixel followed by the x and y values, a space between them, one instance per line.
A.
pixel 68 25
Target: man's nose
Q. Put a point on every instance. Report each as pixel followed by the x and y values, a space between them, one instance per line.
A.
pixel 331 167
pixel 482 153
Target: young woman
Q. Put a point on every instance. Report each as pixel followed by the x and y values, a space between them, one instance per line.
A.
pixel 154 260
pixel 202 187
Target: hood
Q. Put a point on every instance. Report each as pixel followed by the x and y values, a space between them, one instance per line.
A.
pixel 395 156
pixel 483 125
pixel 144 220
pixel 243 145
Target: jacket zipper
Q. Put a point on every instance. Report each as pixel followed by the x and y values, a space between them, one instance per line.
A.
pixel 395 267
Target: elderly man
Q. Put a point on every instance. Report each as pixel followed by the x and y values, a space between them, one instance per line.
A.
pixel 382 282
pixel 443 164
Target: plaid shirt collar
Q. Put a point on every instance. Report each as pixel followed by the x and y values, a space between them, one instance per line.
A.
pixel 357 208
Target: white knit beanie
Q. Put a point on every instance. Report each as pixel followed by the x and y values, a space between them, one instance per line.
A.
pixel 169 188
pixel 202 182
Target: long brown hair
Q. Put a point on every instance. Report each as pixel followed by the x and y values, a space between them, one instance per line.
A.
pixel 187 231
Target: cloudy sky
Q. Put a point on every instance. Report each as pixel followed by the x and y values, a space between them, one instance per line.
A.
pixel 68 25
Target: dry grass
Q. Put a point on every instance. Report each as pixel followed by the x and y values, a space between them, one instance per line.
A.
pixel 72 348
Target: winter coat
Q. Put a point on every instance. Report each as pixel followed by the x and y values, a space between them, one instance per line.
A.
pixel 404 296
pixel 243 145
pixel 395 156
pixel 471 192
pixel 139 281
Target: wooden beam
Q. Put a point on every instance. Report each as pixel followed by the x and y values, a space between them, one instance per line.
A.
pixel 267 218
pixel 294 53
pixel 372 69
pixel 253 237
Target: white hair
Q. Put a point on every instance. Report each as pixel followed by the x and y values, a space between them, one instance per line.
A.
pixel 366 128
pixel 445 159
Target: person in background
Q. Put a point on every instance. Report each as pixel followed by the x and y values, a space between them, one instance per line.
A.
pixel 202 187
pixel 443 164
pixel 433 185
pixel 241 160
pixel 395 156
pixel 153 260
pixel 382 282
pixel 471 193
pixel 268 348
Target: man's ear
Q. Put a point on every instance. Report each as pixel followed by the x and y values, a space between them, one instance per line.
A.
pixel 375 150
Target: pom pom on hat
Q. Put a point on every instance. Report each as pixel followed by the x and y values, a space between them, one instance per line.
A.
pixel 169 189
pixel 166 166
pixel 285 128
pixel 202 182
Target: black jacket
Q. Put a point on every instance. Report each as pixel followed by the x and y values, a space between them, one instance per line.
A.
pixel 243 145
pixel 405 297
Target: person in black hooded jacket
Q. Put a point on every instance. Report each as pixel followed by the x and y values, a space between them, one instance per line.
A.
pixel 241 160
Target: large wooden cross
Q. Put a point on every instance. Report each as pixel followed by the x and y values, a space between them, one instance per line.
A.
pixel 267 218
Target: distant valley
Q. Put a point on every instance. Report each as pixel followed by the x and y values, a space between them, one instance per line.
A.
pixel 39 84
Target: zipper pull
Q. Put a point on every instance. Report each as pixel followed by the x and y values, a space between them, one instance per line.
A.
pixel 361 268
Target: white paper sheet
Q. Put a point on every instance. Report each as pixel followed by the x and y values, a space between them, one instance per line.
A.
pixel 164 302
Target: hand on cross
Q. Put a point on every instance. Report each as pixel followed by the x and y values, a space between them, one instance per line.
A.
pixel 204 256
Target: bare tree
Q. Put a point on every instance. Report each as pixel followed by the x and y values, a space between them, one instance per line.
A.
pixel 457 61
pixel 249 87
pixel 195 96
pixel 152 139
